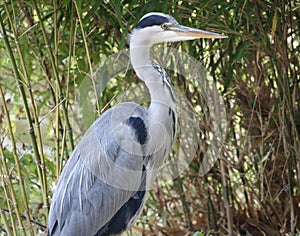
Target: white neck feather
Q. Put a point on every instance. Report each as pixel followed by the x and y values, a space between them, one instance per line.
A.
pixel 142 64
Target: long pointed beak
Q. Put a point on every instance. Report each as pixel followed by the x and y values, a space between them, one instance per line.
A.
pixel 184 31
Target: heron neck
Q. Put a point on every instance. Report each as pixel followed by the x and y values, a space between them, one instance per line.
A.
pixel 140 60
pixel 160 90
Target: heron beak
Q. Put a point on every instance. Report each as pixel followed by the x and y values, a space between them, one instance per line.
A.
pixel 184 31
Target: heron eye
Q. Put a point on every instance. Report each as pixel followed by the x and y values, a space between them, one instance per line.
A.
pixel 164 26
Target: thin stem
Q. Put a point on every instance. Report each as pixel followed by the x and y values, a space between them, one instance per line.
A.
pixel 5 223
pixel 71 45
pixel 10 197
pixel 31 131
pixel 57 92
pixel 226 198
pixel 38 145
pixel 88 57
pixel 212 221
pixel 55 71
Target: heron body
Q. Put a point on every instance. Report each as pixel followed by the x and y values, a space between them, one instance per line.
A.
pixel 103 187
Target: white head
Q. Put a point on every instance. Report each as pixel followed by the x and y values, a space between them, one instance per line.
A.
pixel 157 27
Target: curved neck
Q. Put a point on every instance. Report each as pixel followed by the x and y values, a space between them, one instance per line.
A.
pixel 156 81
pixel 140 60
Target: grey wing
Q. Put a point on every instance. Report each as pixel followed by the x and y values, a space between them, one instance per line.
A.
pixel 103 173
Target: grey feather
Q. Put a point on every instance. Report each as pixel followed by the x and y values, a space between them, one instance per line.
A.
pixel 88 193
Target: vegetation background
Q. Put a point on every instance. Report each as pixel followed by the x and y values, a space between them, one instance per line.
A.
pixel 49 47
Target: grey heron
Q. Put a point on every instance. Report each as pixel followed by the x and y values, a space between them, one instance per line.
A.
pixel 103 187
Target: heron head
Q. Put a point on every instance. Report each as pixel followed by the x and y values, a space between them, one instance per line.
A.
pixel 157 27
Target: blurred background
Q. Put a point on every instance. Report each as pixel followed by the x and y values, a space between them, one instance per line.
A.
pixel 48 48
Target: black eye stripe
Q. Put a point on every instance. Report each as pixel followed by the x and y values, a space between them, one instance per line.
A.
pixel 152 20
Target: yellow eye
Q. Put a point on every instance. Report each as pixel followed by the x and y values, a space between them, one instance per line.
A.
pixel 164 26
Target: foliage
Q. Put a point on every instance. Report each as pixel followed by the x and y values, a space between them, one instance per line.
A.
pixel 48 48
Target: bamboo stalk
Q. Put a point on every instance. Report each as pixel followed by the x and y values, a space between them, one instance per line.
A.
pixel 186 209
pixel 71 42
pixel 212 215
pixel 71 46
pixel 287 131
pixel 287 113
pixel 6 180
pixel 38 150
pixel 55 72
pixel 55 98
pixel 212 221
pixel 10 197
pixel 226 198
pixel 88 57
pixel 57 92
pixel 6 225
pixel 31 131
